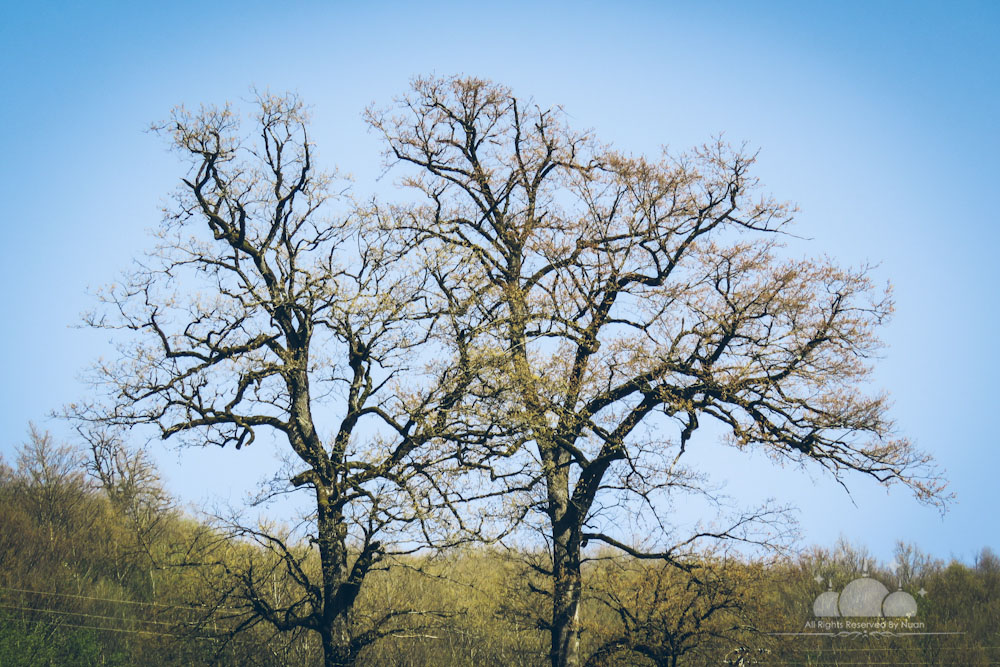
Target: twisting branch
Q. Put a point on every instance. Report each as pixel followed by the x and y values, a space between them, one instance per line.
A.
pixel 262 311
pixel 625 292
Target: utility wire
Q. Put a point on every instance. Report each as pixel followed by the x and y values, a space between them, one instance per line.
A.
pixel 89 597
pixel 105 629
pixel 80 613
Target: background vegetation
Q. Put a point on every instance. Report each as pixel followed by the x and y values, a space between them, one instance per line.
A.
pixel 99 567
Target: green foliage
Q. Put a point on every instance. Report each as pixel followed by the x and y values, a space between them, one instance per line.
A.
pixel 32 646
pixel 83 582
pixel 957 608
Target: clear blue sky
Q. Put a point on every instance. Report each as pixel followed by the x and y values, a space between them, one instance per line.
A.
pixel 878 118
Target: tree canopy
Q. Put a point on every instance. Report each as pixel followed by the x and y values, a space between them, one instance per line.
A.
pixel 541 335
pixel 625 288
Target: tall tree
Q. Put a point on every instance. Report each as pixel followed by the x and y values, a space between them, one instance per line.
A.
pixel 54 479
pixel 259 310
pixel 627 292
pixel 667 614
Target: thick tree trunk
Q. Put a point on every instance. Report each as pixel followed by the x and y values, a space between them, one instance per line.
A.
pixel 336 647
pixel 564 517
pixel 566 581
pixel 565 650
pixel 332 539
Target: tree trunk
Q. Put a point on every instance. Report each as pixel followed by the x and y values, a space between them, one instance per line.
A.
pixel 336 646
pixel 332 539
pixel 565 651
pixel 565 518
pixel 566 580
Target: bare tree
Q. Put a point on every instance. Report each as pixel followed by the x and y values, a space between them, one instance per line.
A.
pixel 132 484
pixel 53 476
pixel 130 480
pixel 665 613
pixel 628 294
pixel 259 311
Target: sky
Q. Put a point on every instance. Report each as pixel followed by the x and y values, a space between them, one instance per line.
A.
pixel 878 119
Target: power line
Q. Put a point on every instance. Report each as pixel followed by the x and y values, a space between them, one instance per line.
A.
pixel 105 629
pixel 80 613
pixel 119 601
pixel 61 624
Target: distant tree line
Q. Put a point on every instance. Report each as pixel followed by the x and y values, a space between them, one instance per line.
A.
pixel 98 566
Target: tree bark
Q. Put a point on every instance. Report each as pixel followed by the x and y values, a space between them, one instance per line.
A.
pixel 336 651
pixel 566 584
pixel 332 538
pixel 565 651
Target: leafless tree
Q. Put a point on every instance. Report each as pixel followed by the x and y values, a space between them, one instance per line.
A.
pixel 130 480
pixel 54 481
pixel 627 294
pixel 665 613
pixel 259 310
